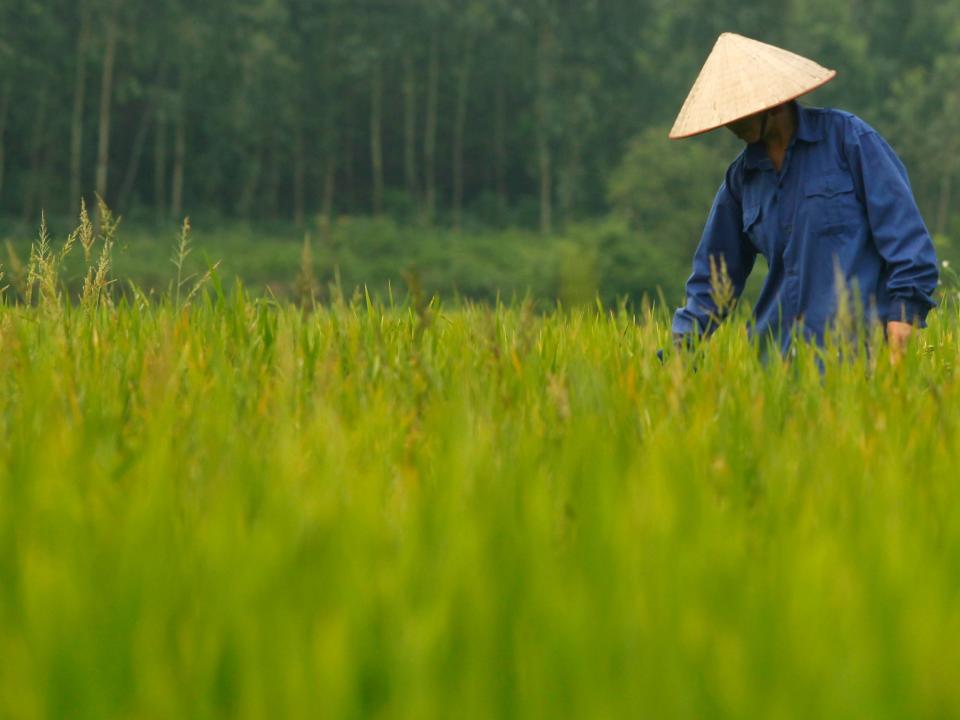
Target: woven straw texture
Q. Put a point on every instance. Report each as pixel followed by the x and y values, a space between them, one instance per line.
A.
pixel 742 77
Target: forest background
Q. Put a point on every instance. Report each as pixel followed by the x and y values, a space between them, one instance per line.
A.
pixel 479 148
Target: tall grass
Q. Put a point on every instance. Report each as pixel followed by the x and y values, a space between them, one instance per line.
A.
pixel 237 507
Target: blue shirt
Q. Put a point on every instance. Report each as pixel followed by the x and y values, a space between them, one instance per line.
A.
pixel 841 206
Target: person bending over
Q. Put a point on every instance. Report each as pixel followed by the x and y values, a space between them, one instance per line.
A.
pixel 818 192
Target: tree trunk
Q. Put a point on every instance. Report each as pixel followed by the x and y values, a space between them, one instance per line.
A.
pixel 46 171
pixel 430 130
pixel 544 82
pixel 79 97
pixel 543 162
pixel 248 191
pixel 136 152
pixel 329 154
pixel 499 144
pixel 410 125
pixel 4 110
pixel 349 160
pixel 106 89
pixel 329 180
pixel 272 190
pixel 299 174
pixel 160 163
pixel 571 179
pixel 459 124
pixel 376 136
pixel 179 158
pixel 36 149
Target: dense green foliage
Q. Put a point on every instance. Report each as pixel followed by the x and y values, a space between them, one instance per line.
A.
pixel 508 112
pixel 588 260
pixel 212 505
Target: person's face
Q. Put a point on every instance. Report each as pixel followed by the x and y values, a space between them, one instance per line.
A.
pixel 747 129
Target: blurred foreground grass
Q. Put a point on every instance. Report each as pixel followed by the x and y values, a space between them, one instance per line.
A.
pixel 240 508
pixel 236 507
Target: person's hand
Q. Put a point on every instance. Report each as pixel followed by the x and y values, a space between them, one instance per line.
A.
pixel 897 335
pixel 680 342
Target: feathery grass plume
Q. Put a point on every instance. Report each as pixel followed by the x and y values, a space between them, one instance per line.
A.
pixel 39 250
pixel 68 245
pixel 42 268
pixel 108 222
pixel 843 319
pixel 86 232
pixel 181 252
pixel 140 299
pixel 201 281
pixel 845 332
pixel 44 265
pixel 98 280
pixel 722 291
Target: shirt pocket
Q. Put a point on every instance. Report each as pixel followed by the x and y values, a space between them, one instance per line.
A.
pixel 752 227
pixel 832 205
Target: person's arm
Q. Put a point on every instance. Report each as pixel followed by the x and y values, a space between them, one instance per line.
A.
pixel 723 239
pixel 899 233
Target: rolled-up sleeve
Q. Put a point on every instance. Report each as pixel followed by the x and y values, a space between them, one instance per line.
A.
pixel 723 238
pixel 897 228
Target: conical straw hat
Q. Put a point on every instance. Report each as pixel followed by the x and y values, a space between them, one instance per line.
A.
pixel 742 77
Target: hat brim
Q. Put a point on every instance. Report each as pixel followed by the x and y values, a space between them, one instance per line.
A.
pixel 682 136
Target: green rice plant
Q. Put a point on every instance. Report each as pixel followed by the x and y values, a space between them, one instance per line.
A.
pixel 85 232
pixel 179 258
pixel 42 268
pixel 219 505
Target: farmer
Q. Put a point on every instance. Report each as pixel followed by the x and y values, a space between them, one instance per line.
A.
pixel 817 192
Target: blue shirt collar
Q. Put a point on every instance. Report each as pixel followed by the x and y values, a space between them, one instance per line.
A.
pixel 808 130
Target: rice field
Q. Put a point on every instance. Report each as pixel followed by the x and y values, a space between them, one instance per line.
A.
pixel 216 505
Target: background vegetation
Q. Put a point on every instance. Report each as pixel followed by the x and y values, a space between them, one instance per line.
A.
pixel 535 128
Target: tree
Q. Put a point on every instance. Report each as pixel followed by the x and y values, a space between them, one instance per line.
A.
pixel 109 18
pixel 79 98
pixel 512 111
